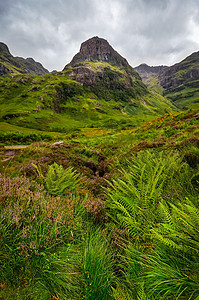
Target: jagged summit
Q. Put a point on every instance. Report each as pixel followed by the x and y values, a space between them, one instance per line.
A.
pixel 98 49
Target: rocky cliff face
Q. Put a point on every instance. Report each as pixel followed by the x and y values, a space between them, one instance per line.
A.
pixel 18 65
pixel 184 73
pixel 98 63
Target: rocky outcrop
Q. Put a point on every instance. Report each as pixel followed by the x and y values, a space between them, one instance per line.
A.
pixel 85 75
pixel 4 70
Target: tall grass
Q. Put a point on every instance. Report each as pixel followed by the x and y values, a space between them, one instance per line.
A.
pixel 36 233
pixel 97 266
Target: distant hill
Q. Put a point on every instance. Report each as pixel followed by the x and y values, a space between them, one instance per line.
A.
pixel 150 76
pixel 179 83
pixel 146 71
pixel 18 65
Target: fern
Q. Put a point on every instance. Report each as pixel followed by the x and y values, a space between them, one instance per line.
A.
pixel 173 270
pixel 134 199
pixel 59 180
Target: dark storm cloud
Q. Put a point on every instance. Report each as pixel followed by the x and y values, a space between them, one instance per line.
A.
pixel 151 31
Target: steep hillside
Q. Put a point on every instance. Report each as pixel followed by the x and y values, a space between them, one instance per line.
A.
pixel 18 65
pixel 181 82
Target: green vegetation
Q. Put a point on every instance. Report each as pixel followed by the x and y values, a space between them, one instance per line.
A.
pixel 55 103
pixel 105 214
pixel 98 190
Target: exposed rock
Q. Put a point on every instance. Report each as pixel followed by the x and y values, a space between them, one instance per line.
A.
pixel 4 48
pixel 58 143
pixel 4 70
pixel 84 75
pixel 184 72
pixel 98 49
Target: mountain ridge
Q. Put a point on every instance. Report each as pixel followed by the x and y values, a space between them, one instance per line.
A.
pixel 18 65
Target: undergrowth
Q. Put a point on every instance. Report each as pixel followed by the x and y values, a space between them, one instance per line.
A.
pixel 109 215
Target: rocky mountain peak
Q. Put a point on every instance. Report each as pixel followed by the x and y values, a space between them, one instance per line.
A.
pixel 97 63
pixel 145 70
pixel 98 49
pixel 96 46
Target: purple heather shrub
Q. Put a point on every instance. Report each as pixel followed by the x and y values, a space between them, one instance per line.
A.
pixel 29 169
pixel 30 219
pixel 96 208
pixel 18 188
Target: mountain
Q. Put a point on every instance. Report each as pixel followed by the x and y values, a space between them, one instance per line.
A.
pixel 98 49
pixel 18 65
pixel 184 72
pixel 98 88
pixel 181 81
pixel 98 63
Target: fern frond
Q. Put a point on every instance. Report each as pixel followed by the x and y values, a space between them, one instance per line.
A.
pixel 58 180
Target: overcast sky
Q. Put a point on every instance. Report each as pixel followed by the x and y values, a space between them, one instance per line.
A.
pixel 155 32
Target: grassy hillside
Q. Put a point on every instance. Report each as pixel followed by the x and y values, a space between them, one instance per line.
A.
pixel 56 103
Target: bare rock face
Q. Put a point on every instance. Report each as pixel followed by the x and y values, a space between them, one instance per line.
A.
pixel 4 48
pixel 4 70
pixel 98 49
pixel 85 75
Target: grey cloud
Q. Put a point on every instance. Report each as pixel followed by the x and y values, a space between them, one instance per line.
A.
pixel 151 31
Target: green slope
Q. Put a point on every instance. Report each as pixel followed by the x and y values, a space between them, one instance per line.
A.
pixel 56 103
